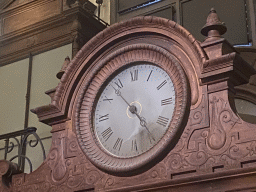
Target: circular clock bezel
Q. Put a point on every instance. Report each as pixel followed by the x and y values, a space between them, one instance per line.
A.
pixel 88 94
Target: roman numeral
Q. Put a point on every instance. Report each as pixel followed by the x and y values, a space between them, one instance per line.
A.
pixel 149 74
pixel 107 133
pixel 134 75
pixel 166 101
pixel 119 84
pixel 161 85
pixel 107 99
pixel 118 144
pixel 104 117
pixel 162 121
pixel 134 145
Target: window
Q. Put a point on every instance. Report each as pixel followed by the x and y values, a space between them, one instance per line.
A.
pixel 14 84
pixel 246 110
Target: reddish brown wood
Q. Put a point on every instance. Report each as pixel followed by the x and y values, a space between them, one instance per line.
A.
pixel 216 148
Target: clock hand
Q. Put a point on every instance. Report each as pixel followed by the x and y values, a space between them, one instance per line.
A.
pixel 133 110
pixel 143 123
pixel 118 93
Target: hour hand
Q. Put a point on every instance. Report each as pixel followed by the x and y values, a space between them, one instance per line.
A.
pixel 143 122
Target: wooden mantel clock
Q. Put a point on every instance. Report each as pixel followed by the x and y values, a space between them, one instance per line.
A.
pixel 144 106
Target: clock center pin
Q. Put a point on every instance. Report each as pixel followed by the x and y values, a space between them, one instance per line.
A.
pixel 135 107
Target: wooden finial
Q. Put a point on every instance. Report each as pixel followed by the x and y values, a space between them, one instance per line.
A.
pixel 64 66
pixel 213 27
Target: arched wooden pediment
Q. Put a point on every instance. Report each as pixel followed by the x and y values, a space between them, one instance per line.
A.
pixel 158 32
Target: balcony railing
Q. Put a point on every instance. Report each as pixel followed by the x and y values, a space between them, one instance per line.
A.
pixel 20 139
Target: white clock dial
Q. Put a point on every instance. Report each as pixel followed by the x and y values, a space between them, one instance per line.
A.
pixel 134 110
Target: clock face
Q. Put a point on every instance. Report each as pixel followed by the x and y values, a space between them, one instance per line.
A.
pixel 134 110
pixel 130 108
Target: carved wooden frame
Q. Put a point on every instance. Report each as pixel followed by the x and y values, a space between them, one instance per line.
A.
pixel 121 58
pixel 197 162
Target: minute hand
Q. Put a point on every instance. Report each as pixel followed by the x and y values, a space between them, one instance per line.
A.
pixel 118 93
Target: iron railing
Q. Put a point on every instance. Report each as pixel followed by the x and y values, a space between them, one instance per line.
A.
pixel 11 140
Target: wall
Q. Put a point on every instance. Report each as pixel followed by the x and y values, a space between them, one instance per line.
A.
pixel 12 97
